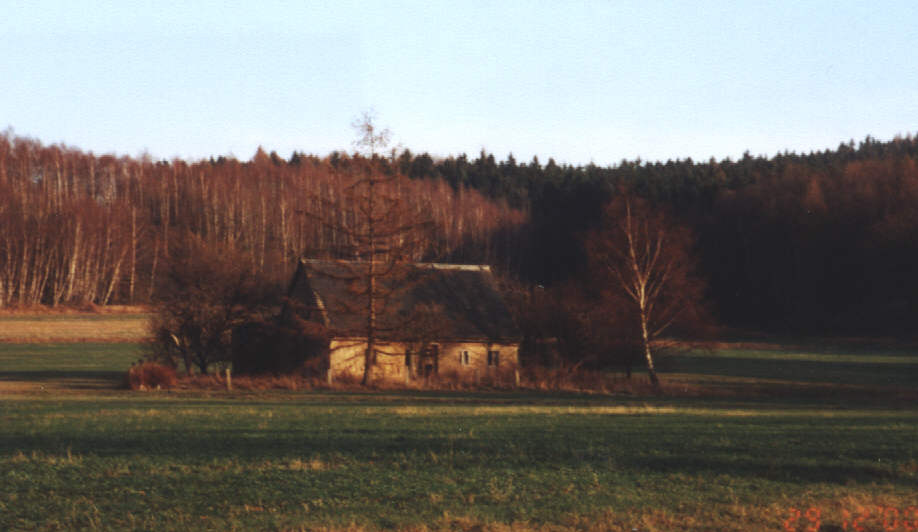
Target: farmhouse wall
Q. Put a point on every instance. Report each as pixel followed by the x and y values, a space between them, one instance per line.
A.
pixel 458 359
pixel 346 358
pixel 452 357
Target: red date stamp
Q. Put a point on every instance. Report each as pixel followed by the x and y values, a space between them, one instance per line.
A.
pixel 862 519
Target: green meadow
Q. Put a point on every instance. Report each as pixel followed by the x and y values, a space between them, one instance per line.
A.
pixel 65 367
pixel 816 364
pixel 77 453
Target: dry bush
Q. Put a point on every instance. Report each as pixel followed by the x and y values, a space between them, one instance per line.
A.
pixel 347 378
pixel 287 382
pixel 258 383
pixel 542 378
pixel 489 379
pixel 445 380
pixel 251 383
pixel 536 378
pixel 287 346
pixel 206 292
pixel 151 376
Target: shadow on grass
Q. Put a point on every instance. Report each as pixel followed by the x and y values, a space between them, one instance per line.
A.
pixel 71 380
pixel 62 375
pixel 362 446
pixel 796 473
pixel 804 371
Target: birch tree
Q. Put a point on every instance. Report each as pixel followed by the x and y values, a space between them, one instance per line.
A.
pixel 644 260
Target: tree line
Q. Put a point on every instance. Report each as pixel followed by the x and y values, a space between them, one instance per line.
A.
pixel 817 243
pixel 823 242
pixel 85 229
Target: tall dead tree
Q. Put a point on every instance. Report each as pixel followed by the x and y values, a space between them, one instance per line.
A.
pixel 373 232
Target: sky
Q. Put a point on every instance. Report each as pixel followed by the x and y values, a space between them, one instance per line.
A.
pixel 582 82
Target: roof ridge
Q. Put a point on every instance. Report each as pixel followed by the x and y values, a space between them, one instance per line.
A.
pixel 433 265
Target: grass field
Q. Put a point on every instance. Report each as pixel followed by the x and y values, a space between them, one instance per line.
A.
pixel 77 453
pixel 65 367
pixel 864 367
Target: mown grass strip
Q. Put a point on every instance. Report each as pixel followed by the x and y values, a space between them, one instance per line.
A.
pixel 56 328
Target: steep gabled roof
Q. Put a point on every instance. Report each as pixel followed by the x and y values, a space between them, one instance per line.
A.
pixel 463 298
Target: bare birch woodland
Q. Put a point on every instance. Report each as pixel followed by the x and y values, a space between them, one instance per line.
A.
pixel 85 229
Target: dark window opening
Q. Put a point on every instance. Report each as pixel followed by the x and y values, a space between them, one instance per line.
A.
pixel 431 354
pixel 493 358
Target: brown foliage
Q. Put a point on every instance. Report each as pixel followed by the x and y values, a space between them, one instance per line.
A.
pixel 286 346
pixel 583 380
pixel 151 376
pixel 206 294
pixel 569 326
pixel 641 260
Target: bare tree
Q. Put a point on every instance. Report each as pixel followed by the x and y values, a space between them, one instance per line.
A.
pixel 376 232
pixel 645 260
pixel 84 229
pixel 370 138
pixel 206 293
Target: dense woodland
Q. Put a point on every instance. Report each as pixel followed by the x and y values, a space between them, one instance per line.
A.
pixel 815 243
pixel 818 243
pixel 79 228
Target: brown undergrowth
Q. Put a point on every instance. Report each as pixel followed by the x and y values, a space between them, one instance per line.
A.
pixel 548 380
pixel 530 380
pixel 150 376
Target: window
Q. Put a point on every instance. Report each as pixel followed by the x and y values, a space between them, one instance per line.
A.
pixel 464 358
pixel 493 358
pixel 408 357
pixel 432 354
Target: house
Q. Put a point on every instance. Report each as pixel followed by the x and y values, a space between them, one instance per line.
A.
pixel 431 319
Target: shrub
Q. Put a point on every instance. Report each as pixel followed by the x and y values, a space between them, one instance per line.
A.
pixel 151 376
pixel 280 347
pixel 206 292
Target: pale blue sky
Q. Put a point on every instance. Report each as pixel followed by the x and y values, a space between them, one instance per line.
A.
pixel 579 81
